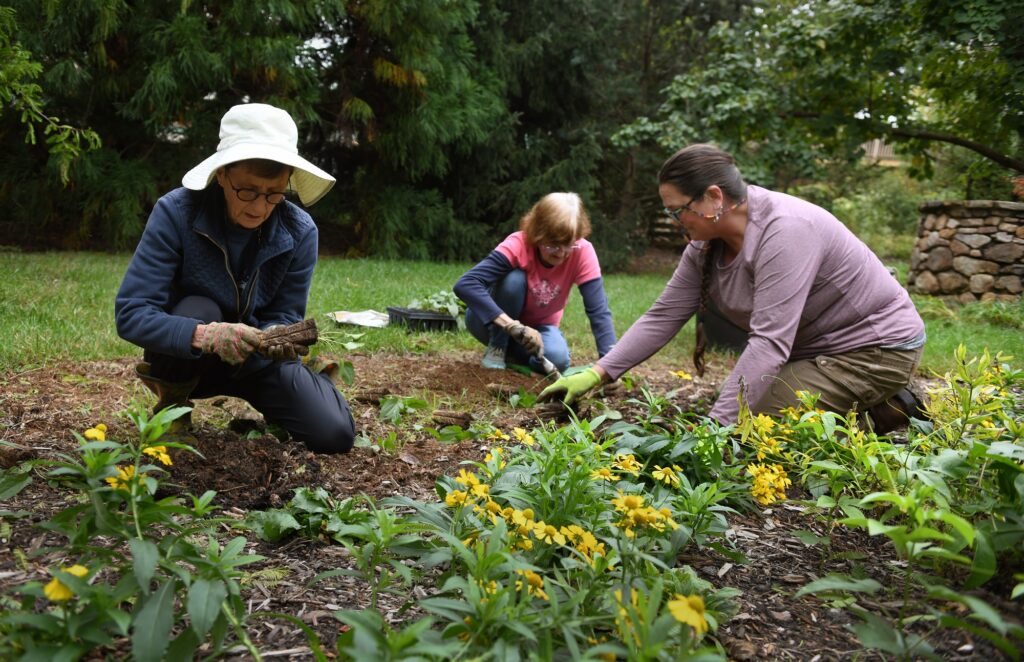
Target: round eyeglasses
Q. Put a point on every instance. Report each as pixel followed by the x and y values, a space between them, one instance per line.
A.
pixel 248 194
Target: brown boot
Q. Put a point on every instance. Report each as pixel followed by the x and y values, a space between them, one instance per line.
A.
pixel 895 413
pixel 169 394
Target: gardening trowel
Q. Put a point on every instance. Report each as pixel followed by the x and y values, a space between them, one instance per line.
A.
pixel 549 367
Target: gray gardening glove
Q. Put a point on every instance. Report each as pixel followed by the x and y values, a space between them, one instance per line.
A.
pixel 285 352
pixel 526 336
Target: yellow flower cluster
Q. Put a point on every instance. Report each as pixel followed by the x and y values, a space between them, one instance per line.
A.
pixel 637 516
pixel 494 456
pixel 523 437
pixel 56 591
pixel 668 475
pixel 770 482
pixel 534 584
pixel 523 528
pixel 96 433
pixel 123 479
pixel 682 374
pixel 768 446
pixel 689 609
pixel 498 435
pixel 604 473
pixel 160 453
pixel 763 425
pixel 627 463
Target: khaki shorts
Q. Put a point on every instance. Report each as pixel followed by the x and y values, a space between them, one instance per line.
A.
pixel 853 381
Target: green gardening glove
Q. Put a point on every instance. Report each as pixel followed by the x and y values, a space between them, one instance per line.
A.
pixel 233 343
pixel 572 386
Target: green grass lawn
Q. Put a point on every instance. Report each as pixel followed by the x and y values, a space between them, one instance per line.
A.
pixel 60 306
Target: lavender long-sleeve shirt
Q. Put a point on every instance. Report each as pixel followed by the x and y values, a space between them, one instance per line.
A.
pixel 803 286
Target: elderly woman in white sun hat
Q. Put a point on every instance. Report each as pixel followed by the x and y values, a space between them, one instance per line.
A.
pixel 223 257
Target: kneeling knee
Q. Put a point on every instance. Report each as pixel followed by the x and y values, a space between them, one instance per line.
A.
pixel 337 437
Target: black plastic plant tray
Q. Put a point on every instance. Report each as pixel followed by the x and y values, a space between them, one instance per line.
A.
pixel 421 320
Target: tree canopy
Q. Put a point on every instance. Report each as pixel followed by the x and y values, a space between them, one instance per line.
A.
pixel 792 83
pixel 444 122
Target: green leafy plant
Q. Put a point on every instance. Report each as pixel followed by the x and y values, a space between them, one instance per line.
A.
pixel 444 301
pixel 142 567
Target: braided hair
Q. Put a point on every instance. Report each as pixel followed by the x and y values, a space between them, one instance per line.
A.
pixel 692 170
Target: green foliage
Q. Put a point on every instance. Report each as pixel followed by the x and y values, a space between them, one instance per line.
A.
pixel 794 84
pixel 948 499
pixel 444 301
pixel 143 567
pixel 26 99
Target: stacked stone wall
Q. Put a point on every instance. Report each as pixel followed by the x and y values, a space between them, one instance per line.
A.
pixel 969 250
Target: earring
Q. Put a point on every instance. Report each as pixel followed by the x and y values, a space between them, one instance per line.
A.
pixel 718 215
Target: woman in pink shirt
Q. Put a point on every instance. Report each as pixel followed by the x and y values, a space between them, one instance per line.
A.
pixel 822 312
pixel 515 296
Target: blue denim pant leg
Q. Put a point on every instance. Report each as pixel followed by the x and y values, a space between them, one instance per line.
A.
pixel 556 350
pixel 510 295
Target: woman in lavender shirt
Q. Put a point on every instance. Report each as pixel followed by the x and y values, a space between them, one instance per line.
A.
pixel 823 314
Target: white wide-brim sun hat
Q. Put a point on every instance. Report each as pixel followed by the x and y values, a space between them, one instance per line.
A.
pixel 260 131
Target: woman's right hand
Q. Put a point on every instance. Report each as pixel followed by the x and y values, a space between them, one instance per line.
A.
pixel 526 336
pixel 233 343
pixel 572 386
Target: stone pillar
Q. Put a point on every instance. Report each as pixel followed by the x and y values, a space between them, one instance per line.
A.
pixel 969 250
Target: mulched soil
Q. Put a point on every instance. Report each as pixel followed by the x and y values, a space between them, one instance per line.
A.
pixel 256 470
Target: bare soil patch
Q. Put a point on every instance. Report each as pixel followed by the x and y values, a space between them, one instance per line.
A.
pixel 40 408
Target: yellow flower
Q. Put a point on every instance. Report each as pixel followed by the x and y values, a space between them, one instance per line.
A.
pixel 523 436
pixel 628 502
pixel 467 479
pixel 689 610
pixel 667 475
pixel 763 424
pixel 534 584
pixel 123 479
pixel 456 498
pixel 481 490
pixel 547 533
pixel 96 433
pixel 160 453
pixel 56 591
pixel 572 532
pixel 681 374
pixel 604 473
pixel 522 517
pixel 628 464
pixel 498 434
pixel 495 455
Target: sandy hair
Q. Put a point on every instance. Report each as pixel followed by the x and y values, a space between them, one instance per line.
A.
pixel 556 219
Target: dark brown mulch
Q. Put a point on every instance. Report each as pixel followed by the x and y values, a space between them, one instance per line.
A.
pixel 39 409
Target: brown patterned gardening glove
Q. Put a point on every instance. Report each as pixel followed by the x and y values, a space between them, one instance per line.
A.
pixel 285 352
pixel 526 336
pixel 277 348
pixel 233 343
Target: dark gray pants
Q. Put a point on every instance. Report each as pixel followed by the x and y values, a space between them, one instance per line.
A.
pixel 287 393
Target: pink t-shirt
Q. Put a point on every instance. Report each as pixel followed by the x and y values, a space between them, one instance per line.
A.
pixel 547 288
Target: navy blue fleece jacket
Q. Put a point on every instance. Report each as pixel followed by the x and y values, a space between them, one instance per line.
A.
pixel 183 252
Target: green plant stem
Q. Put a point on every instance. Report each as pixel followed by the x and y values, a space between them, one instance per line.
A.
pixel 240 631
pixel 133 494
